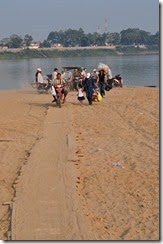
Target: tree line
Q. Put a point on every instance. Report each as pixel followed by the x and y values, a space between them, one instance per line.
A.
pixel 74 38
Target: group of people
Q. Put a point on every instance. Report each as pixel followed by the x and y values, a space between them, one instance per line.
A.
pixel 80 80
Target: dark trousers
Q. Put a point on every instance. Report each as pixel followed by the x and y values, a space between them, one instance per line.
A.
pixel 102 88
pixel 89 100
pixel 89 96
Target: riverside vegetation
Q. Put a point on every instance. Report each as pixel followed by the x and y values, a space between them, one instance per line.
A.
pixel 76 43
pixel 72 52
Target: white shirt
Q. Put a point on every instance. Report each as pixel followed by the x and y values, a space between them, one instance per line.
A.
pixel 80 92
pixel 83 73
pixel 40 78
pixel 54 75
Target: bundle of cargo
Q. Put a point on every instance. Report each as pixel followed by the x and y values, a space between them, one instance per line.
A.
pixel 104 67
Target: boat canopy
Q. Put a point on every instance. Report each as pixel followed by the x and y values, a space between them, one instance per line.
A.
pixel 72 67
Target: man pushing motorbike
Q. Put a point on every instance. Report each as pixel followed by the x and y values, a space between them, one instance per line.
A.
pixel 60 87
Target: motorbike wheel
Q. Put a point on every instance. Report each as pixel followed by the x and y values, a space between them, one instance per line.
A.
pixel 40 91
pixel 58 101
pixel 107 88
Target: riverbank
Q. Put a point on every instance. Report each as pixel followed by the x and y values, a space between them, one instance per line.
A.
pixel 114 164
pixel 72 52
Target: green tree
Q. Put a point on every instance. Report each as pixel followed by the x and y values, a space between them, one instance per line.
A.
pixel 154 39
pixel 113 38
pixel 96 39
pixel 134 36
pixel 56 37
pixel 84 41
pixel 45 43
pixel 15 41
pixel 73 37
pixel 69 37
pixel 5 42
pixel 27 40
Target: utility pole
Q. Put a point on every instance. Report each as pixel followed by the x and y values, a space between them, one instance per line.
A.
pixel 106 26
pixel 98 29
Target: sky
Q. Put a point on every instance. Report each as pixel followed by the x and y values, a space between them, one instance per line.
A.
pixel 39 17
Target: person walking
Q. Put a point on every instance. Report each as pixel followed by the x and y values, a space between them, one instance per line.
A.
pixel 81 97
pixel 89 87
pixel 39 76
pixel 76 78
pixel 83 74
pixel 36 77
pixel 102 79
pixel 54 74
pixel 94 77
pixel 40 82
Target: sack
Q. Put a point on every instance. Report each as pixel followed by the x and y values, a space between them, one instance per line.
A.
pixel 99 97
pixel 104 67
pixel 53 91
pixel 96 96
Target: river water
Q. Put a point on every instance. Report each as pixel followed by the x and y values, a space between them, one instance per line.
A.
pixel 140 70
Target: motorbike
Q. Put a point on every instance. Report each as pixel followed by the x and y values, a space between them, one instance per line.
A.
pixel 109 85
pixel 43 87
pixel 59 95
pixel 116 81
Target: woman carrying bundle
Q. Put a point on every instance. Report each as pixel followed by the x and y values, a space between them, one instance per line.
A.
pixel 102 80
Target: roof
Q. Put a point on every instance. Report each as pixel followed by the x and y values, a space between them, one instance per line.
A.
pixel 71 67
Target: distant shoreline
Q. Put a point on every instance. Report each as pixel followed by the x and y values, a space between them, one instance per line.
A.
pixel 71 52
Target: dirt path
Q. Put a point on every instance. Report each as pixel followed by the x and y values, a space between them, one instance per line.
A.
pixel 46 190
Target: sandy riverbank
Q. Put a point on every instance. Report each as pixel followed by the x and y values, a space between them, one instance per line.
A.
pixel 116 145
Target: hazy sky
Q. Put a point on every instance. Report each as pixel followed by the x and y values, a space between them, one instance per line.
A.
pixel 39 17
